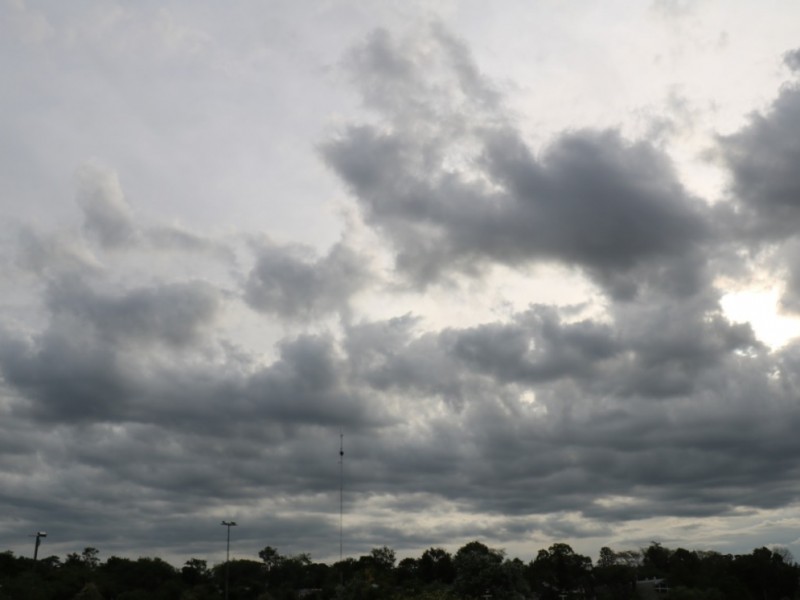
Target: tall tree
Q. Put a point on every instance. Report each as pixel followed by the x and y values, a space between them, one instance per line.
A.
pixel 560 570
pixel 478 571
pixel 436 564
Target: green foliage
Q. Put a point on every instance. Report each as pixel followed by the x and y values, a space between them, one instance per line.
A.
pixel 90 557
pixel 195 572
pixel 481 571
pixel 474 572
pixel 436 565
pixel 383 558
pixel 766 575
pixel 246 578
pixel 270 557
pixel 655 560
pixel 559 570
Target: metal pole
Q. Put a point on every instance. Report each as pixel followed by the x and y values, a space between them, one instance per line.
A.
pixel 39 535
pixel 341 490
pixel 228 524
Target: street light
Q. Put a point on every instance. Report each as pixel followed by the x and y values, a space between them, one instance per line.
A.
pixel 228 524
pixel 38 535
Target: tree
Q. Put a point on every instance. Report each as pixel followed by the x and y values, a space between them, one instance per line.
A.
pixel 270 557
pixel 655 560
pixel 684 568
pixel 614 577
pixel 195 572
pixel 246 578
pixel 478 571
pixel 629 558
pixel 292 573
pixel 608 557
pixel 784 553
pixel 560 570
pixel 436 565
pixel 407 570
pixel 383 558
pixel 90 557
pixel 766 575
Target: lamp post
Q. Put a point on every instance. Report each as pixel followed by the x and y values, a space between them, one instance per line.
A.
pixel 228 524
pixel 38 535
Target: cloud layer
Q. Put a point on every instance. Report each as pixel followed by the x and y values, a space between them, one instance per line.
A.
pixel 156 377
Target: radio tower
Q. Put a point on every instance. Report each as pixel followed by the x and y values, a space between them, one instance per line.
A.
pixel 341 489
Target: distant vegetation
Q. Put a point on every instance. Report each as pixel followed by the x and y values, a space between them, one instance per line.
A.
pixel 474 572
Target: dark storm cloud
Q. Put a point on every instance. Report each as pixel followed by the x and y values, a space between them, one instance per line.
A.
pixel 456 188
pixel 265 433
pixel 649 404
pixel 670 346
pixel 291 282
pixel 762 158
pixel 652 349
pixel 700 454
pixel 639 406
pixel 387 356
pixel 72 373
pixel 306 385
pixel 790 301
pixel 173 313
pixel 595 199
pixel 765 188
pixel 66 375
pixel 536 347
pixel 75 370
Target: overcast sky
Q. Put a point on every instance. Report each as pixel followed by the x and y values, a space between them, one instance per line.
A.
pixel 536 260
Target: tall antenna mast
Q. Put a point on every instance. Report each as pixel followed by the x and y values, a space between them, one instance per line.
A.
pixel 341 489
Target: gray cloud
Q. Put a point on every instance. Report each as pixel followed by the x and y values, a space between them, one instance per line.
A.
pixel 790 261
pixel 109 220
pixel 171 238
pixel 792 59
pixel 66 375
pixel 291 282
pixel 174 313
pixel 306 385
pixel 77 368
pixel 592 199
pixel 434 414
pixel 107 215
pixel 141 399
pixel 762 158
pixel 765 189
pixel 46 255
pixel 536 347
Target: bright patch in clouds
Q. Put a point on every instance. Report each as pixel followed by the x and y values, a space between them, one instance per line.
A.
pixel 760 308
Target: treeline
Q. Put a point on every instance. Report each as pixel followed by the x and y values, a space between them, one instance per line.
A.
pixel 474 572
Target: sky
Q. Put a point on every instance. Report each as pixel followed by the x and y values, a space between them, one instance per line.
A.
pixel 536 262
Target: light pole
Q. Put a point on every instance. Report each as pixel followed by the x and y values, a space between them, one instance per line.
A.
pixel 228 524
pixel 38 535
